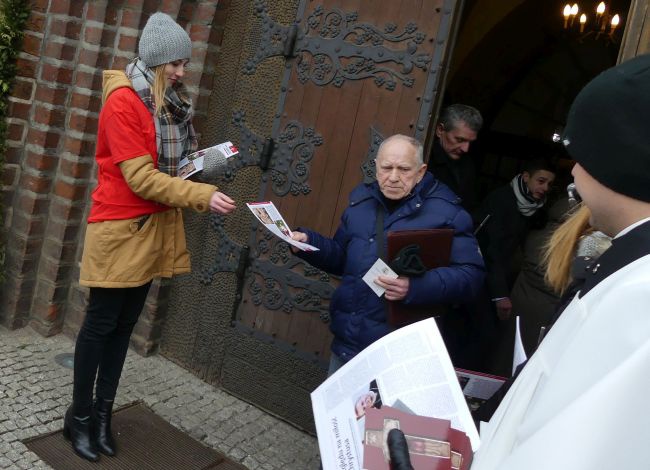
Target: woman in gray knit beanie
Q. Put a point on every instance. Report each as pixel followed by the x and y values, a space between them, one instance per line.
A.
pixel 135 231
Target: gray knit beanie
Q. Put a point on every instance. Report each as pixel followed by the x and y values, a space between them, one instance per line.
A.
pixel 163 41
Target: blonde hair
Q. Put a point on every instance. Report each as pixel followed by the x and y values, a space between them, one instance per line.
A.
pixel 159 87
pixel 560 249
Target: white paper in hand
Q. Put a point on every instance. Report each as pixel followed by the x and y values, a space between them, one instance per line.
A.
pixel 378 269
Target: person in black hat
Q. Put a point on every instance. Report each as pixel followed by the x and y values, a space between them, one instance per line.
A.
pixel 581 400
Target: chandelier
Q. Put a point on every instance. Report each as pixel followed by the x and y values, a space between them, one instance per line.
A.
pixel 598 23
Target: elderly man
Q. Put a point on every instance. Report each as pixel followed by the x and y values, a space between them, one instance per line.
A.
pixel 457 128
pixel 581 402
pixel 409 198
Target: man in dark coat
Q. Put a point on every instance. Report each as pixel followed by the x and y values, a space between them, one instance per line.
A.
pixel 504 219
pixel 409 198
pixel 457 128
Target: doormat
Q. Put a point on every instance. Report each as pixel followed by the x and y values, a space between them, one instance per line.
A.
pixel 144 441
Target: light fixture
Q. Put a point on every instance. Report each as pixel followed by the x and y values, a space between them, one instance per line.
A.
pixel 597 22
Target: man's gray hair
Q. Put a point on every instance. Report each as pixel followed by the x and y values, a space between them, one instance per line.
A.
pixel 415 143
pixel 456 113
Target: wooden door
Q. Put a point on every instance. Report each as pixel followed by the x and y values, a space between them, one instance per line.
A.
pixel 357 72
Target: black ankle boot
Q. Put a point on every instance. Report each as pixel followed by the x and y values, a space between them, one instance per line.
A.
pixel 103 435
pixel 77 429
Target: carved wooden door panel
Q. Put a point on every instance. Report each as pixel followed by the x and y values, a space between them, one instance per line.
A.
pixel 357 71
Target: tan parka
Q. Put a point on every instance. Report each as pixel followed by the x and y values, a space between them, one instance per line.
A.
pixel 131 252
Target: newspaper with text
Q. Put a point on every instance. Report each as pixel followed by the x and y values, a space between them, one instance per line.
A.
pixel 408 369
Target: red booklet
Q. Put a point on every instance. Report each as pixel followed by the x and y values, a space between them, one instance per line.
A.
pixel 435 251
pixel 432 443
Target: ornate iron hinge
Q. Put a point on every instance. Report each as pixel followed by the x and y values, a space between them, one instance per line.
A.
pixel 333 46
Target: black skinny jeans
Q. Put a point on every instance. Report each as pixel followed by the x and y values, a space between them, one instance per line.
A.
pixel 103 341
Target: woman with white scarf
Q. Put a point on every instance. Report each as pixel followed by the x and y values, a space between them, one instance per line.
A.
pixel 135 227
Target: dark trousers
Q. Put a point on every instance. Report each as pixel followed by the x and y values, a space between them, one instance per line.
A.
pixel 103 341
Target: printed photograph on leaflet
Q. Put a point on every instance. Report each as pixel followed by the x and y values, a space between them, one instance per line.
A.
pixel 270 217
pixel 409 370
pixel 195 162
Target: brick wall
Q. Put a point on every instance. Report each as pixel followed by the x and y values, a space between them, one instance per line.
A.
pixel 49 171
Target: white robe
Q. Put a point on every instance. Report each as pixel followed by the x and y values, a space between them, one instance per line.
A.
pixel 581 402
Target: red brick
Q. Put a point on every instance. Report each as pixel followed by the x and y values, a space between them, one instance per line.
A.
pixel 14 154
pixel 81 148
pixel 99 36
pixel 96 12
pixel 90 81
pixel 199 32
pixel 81 123
pixel 101 60
pixel 57 50
pixel 68 7
pixel 66 252
pixel 37 184
pixel 53 271
pixel 77 170
pixel 56 74
pixel 31 204
pixel 51 117
pixel 170 7
pixel 9 175
pixel 139 5
pixel 69 191
pixel 86 102
pixel 63 231
pixel 22 247
pixel 120 63
pixel 32 44
pixel 26 68
pixel 40 162
pixel 35 23
pixel 67 29
pixel 39 6
pixel 47 140
pixel 131 19
pixel 108 38
pixel 23 89
pixel 15 131
pixel 205 11
pixel 127 43
pixel 52 292
pixel 192 77
pixel 51 95
pixel 65 210
pixel 19 110
pixel 26 225
pixel 185 12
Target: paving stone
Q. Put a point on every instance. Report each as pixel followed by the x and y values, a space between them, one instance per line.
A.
pixel 35 393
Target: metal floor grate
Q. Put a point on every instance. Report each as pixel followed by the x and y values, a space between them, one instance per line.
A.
pixel 144 440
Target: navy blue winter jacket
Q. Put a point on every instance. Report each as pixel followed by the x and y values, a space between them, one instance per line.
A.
pixel 358 316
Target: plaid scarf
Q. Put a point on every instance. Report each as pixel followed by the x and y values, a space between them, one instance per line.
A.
pixel 526 203
pixel 175 137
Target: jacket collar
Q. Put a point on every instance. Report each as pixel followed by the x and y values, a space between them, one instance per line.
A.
pixel 624 250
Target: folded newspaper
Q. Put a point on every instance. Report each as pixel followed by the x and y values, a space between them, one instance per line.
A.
pixel 409 369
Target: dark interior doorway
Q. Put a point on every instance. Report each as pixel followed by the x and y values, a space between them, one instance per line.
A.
pixel 516 63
